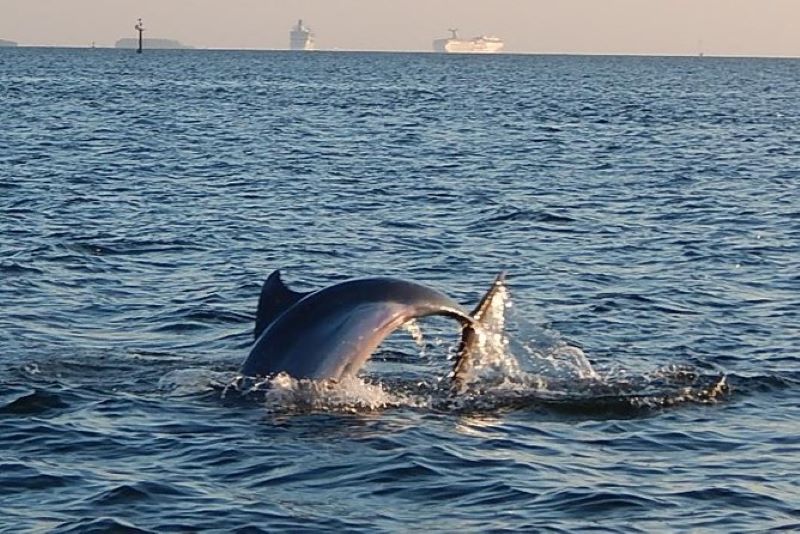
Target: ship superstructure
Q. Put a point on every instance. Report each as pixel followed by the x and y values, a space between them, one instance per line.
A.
pixel 484 44
pixel 301 37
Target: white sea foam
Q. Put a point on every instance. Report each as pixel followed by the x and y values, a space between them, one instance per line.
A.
pixel 349 394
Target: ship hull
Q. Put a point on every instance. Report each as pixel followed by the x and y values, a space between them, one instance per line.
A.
pixel 479 45
pixel 301 41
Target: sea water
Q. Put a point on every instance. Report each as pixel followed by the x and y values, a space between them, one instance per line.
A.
pixel 640 374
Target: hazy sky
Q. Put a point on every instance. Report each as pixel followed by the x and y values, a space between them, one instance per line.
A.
pixel 723 27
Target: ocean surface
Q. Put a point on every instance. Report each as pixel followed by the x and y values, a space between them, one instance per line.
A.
pixel 640 375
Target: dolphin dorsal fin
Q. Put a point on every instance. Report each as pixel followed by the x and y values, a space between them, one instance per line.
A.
pixel 275 299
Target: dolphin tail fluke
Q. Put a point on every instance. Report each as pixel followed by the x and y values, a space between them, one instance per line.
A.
pixel 469 336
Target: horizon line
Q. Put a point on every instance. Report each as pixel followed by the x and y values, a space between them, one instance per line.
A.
pixel 192 48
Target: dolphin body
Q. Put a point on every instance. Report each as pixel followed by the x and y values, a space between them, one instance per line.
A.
pixel 331 333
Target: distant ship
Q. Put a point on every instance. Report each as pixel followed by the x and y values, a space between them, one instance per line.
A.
pixel 152 43
pixel 485 44
pixel 301 38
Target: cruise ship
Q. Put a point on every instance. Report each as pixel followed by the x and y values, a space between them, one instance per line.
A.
pixel 485 44
pixel 301 38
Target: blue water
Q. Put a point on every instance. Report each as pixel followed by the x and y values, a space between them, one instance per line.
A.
pixel 647 211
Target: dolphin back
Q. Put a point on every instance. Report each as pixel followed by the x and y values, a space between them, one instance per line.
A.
pixel 332 332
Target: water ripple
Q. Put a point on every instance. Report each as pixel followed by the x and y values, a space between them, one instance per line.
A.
pixel 644 208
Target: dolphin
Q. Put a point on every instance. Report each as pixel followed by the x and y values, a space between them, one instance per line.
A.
pixel 332 332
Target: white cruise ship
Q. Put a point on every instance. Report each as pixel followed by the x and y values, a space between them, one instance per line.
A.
pixel 485 44
pixel 301 38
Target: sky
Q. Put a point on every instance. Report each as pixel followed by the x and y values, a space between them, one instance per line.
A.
pixel 650 27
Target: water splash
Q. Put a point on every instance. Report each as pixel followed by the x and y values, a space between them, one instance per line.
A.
pixel 283 394
pixel 492 360
pixel 543 358
pixel 413 328
pixel 546 370
pixel 551 371
pixel 541 370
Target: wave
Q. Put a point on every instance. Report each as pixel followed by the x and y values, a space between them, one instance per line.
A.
pixel 24 401
pixel 16 476
pixel 131 247
pixel 100 525
pixel 17 269
pixel 512 214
